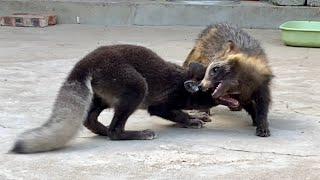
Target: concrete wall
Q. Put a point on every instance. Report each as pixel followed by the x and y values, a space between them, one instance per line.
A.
pixel 245 14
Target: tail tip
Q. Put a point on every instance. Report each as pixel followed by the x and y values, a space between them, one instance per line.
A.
pixel 18 148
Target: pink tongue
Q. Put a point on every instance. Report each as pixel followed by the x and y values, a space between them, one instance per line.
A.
pixel 229 101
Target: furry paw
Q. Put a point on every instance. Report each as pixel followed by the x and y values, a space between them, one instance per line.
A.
pixel 203 116
pixel 194 123
pixel 132 135
pixel 263 132
pixel 148 134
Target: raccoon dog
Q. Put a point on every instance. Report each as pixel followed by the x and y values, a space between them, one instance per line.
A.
pixel 238 71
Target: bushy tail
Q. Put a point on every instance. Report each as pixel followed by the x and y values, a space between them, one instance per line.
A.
pixel 70 109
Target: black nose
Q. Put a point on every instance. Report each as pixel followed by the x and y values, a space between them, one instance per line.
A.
pixel 191 86
pixel 202 87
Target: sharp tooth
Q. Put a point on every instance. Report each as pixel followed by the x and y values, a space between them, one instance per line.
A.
pixel 215 90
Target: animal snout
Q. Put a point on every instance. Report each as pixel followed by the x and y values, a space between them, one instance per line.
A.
pixel 205 85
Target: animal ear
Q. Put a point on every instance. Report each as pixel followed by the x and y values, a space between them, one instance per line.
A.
pixel 196 71
pixel 269 77
pixel 231 47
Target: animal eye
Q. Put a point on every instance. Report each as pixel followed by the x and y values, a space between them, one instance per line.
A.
pixel 215 69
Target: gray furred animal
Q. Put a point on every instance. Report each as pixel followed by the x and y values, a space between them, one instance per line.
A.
pixel 123 77
pixel 237 70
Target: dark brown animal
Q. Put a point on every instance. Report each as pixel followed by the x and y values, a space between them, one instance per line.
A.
pixel 123 77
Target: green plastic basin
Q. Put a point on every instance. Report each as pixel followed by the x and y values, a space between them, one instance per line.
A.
pixel 301 33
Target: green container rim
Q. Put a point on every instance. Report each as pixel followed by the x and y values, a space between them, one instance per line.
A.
pixel 285 26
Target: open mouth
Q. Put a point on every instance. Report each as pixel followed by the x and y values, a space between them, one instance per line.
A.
pixel 229 101
pixel 221 93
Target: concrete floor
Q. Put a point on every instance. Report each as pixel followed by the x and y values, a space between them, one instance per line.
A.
pixel 34 62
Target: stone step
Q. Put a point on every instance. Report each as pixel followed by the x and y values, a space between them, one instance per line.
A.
pixel 248 14
pixel 313 2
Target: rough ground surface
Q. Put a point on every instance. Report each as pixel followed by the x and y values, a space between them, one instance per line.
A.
pixel 288 2
pixel 34 62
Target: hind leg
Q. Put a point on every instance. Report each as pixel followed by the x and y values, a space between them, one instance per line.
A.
pixel 129 93
pixel 127 105
pixel 92 122
pixel 122 112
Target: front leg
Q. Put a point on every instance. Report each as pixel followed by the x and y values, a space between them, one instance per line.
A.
pixel 251 109
pixel 262 100
pixel 177 116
